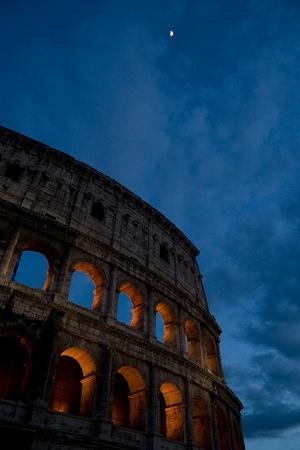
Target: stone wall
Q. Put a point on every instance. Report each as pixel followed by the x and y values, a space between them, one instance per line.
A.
pixel 81 220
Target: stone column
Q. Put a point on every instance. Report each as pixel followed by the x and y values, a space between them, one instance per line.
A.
pixel 138 316
pixel 221 373
pixel 151 316
pixel 181 333
pixel 109 301
pixel 189 415
pixel 236 436
pixel 204 347
pixel 99 296
pixel 214 424
pixel 62 278
pixel 103 400
pixel 154 432
pixel 9 259
pixel 175 422
pixel 137 410
pixel 201 345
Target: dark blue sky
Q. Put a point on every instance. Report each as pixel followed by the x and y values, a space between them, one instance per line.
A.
pixel 205 127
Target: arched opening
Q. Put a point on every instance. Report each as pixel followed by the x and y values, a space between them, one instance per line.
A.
pixel 192 334
pixel 124 312
pixel 201 423
pixel 88 285
pixel 121 408
pixel 171 412
pixel 159 327
pixel 74 383
pixel 130 296
pixel 166 313
pixel 32 270
pixel 129 399
pixel 212 356
pixel 223 428
pixel 13 367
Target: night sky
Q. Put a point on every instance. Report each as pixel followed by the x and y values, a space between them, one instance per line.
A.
pixel 205 127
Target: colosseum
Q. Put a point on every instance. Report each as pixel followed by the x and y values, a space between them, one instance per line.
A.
pixel 80 377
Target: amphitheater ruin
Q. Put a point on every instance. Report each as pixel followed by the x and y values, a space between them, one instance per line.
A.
pixel 78 377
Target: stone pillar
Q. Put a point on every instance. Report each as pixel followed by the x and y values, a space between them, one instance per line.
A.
pixel 201 347
pixel 99 297
pixel 214 424
pixel 153 426
pixel 150 317
pixel 117 225
pixel 137 410
pixel 138 316
pixel 236 436
pixel 175 422
pixel 204 348
pixel 109 301
pixel 87 394
pixel 189 415
pixel 62 278
pixel 103 400
pixel 9 259
pixel 221 373
pixel 181 333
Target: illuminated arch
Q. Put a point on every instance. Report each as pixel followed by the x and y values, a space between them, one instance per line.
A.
pixel 171 412
pixel 170 323
pixel 192 333
pixel 201 423
pixel 212 356
pixel 42 249
pixel 97 277
pixel 135 295
pixel 129 399
pixel 74 383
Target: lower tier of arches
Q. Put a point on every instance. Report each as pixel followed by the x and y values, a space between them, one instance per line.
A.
pixel 121 394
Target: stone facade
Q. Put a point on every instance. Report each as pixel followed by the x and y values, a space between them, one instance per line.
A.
pixel 77 378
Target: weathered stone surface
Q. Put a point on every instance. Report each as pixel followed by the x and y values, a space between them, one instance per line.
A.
pixel 77 378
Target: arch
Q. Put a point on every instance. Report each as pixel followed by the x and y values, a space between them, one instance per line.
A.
pixel 171 412
pixel 159 327
pixel 201 423
pixel 32 270
pixel 212 356
pixel 124 310
pixel 192 334
pixel 129 399
pixel 223 428
pixel 74 384
pixel 135 295
pixel 97 277
pixel 37 246
pixel 15 365
pixel 170 323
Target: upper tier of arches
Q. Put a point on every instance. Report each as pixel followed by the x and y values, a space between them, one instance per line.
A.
pixel 52 185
